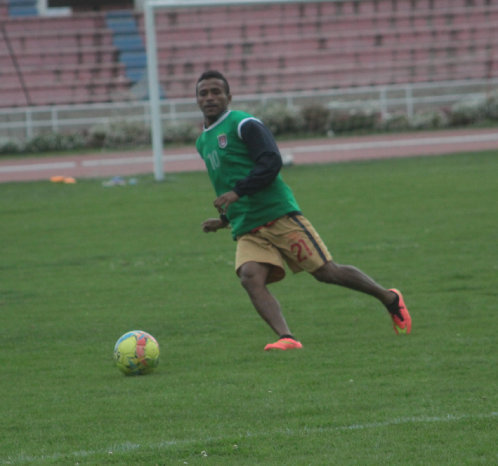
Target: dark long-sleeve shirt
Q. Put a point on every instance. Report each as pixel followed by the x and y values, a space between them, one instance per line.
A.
pixel 264 152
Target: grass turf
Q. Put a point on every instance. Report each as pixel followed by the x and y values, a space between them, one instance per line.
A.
pixel 82 264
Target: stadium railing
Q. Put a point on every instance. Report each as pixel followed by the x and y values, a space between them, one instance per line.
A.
pixel 26 122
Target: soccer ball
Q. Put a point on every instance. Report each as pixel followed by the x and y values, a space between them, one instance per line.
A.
pixel 136 353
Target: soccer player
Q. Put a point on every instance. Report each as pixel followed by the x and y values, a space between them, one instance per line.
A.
pixel 243 163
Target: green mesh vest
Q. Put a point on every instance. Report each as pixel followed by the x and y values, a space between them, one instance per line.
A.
pixel 227 161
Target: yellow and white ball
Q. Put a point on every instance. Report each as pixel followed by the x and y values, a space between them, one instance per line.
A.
pixel 136 353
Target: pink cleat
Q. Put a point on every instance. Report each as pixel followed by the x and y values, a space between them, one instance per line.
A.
pixel 401 325
pixel 284 344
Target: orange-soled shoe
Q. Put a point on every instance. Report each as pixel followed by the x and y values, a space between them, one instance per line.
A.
pixel 284 344
pixel 403 324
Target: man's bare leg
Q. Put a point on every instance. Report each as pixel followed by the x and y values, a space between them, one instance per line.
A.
pixel 353 278
pixel 253 277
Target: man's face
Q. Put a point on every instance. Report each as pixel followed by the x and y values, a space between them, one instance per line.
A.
pixel 212 99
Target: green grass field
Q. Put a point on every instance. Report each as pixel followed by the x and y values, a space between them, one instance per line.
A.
pixel 82 264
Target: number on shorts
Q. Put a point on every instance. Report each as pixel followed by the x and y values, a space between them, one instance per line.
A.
pixel 301 250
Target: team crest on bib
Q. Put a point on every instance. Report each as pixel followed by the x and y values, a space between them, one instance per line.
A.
pixel 222 141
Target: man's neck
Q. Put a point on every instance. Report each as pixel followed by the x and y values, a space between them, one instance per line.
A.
pixel 209 122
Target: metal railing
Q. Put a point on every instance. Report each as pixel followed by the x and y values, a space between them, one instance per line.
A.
pixel 24 123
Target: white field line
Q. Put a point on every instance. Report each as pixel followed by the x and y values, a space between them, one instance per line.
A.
pixel 116 161
pixel 36 167
pixel 91 163
pixel 136 160
pixel 129 446
pixel 396 143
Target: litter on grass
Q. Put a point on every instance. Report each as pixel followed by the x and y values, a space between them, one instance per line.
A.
pixel 119 181
pixel 63 179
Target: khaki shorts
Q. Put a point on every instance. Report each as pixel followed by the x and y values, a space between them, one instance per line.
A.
pixel 290 239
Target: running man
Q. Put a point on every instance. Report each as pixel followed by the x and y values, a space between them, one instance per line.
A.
pixel 243 163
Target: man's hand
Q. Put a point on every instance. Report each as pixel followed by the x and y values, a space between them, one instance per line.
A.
pixel 213 225
pixel 223 202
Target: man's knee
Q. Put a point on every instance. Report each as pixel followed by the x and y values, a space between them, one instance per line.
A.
pixel 253 275
pixel 328 273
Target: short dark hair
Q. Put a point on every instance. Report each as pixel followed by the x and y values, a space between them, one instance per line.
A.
pixel 213 74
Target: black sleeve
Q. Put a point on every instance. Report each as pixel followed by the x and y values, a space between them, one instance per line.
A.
pixel 264 152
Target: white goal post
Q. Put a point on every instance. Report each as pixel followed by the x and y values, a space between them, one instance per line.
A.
pixel 150 8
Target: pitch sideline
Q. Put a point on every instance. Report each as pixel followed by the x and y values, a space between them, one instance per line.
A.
pixel 129 446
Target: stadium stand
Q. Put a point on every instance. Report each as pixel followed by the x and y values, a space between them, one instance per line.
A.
pixel 315 46
pixel 22 8
pixel 99 56
pixel 129 42
pixel 60 60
